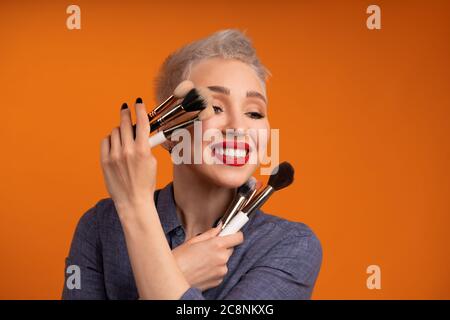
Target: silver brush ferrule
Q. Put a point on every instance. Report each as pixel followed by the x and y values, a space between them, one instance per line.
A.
pixel 166 116
pixel 169 131
pixel 234 208
pixel 161 107
pixel 258 201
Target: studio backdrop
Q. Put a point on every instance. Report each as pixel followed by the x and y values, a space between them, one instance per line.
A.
pixel 359 91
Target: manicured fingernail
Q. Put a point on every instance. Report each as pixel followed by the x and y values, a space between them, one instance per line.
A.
pixel 124 106
pixel 138 100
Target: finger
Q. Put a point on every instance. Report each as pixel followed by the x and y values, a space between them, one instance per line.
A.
pixel 219 225
pixel 215 281
pixel 210 284
pixel 104 149
pixel 142 124
pixel 116 144
pixel 207 234
pixel 125 125
pixel 230 252
pixel 232 239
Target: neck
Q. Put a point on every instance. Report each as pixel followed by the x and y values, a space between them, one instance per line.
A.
pixel 199 203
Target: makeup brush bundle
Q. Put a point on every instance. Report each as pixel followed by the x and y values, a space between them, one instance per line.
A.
pixel 250 198
pixel 185 106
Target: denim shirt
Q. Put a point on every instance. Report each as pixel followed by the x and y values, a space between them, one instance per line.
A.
pixel 279 259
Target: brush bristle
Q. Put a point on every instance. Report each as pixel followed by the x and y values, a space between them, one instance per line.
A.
pixel 182 89
pixel 194 101
pixel 206 113
pixel 247 188
pixel 282 176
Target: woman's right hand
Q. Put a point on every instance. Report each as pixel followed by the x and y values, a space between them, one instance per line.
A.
pixel 203 259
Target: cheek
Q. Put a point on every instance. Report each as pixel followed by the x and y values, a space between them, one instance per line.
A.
pixel 260 135
pixel 212 129
pixel 214 122
pixel 209 134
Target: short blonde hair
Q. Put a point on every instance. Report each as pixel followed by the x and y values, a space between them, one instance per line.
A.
pixel 228 44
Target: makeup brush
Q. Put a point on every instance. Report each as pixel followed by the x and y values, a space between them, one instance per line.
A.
pixel 166 133
pixel 283 177
pixel 241 197
pixel 195 100
pixel 255 190
pixel 180 92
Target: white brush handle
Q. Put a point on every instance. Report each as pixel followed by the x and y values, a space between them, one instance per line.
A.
pixel 157 139
pixel 235 224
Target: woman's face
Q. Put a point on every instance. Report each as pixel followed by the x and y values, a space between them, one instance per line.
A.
pixel 239 103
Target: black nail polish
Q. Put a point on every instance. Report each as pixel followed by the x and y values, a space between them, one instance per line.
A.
pixel 124 106
pixel 138 100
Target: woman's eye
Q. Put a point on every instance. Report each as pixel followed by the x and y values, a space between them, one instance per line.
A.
pixel 217 109
pixel 255 115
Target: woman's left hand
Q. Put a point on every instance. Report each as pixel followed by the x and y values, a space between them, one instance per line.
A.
pixel 203 259
pixel 129 166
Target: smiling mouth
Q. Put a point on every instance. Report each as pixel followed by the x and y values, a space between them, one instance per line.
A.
pixel 231 153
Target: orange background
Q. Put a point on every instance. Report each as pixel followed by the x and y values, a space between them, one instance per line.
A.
pixel 363 116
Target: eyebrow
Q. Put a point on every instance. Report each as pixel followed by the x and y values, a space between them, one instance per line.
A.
pixel 226 91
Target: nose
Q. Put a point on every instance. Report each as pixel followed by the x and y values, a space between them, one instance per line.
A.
pixel 235 123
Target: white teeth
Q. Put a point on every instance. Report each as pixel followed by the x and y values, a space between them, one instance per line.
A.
pixel 230 152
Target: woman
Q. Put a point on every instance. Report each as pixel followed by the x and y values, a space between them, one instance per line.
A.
pixel 142 244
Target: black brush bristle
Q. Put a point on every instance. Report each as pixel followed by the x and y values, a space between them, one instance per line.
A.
pixel 190 96
pixel 282 176
pixel 193 101
pixel 247 188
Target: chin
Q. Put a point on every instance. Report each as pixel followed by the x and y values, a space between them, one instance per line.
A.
pixel 226 176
